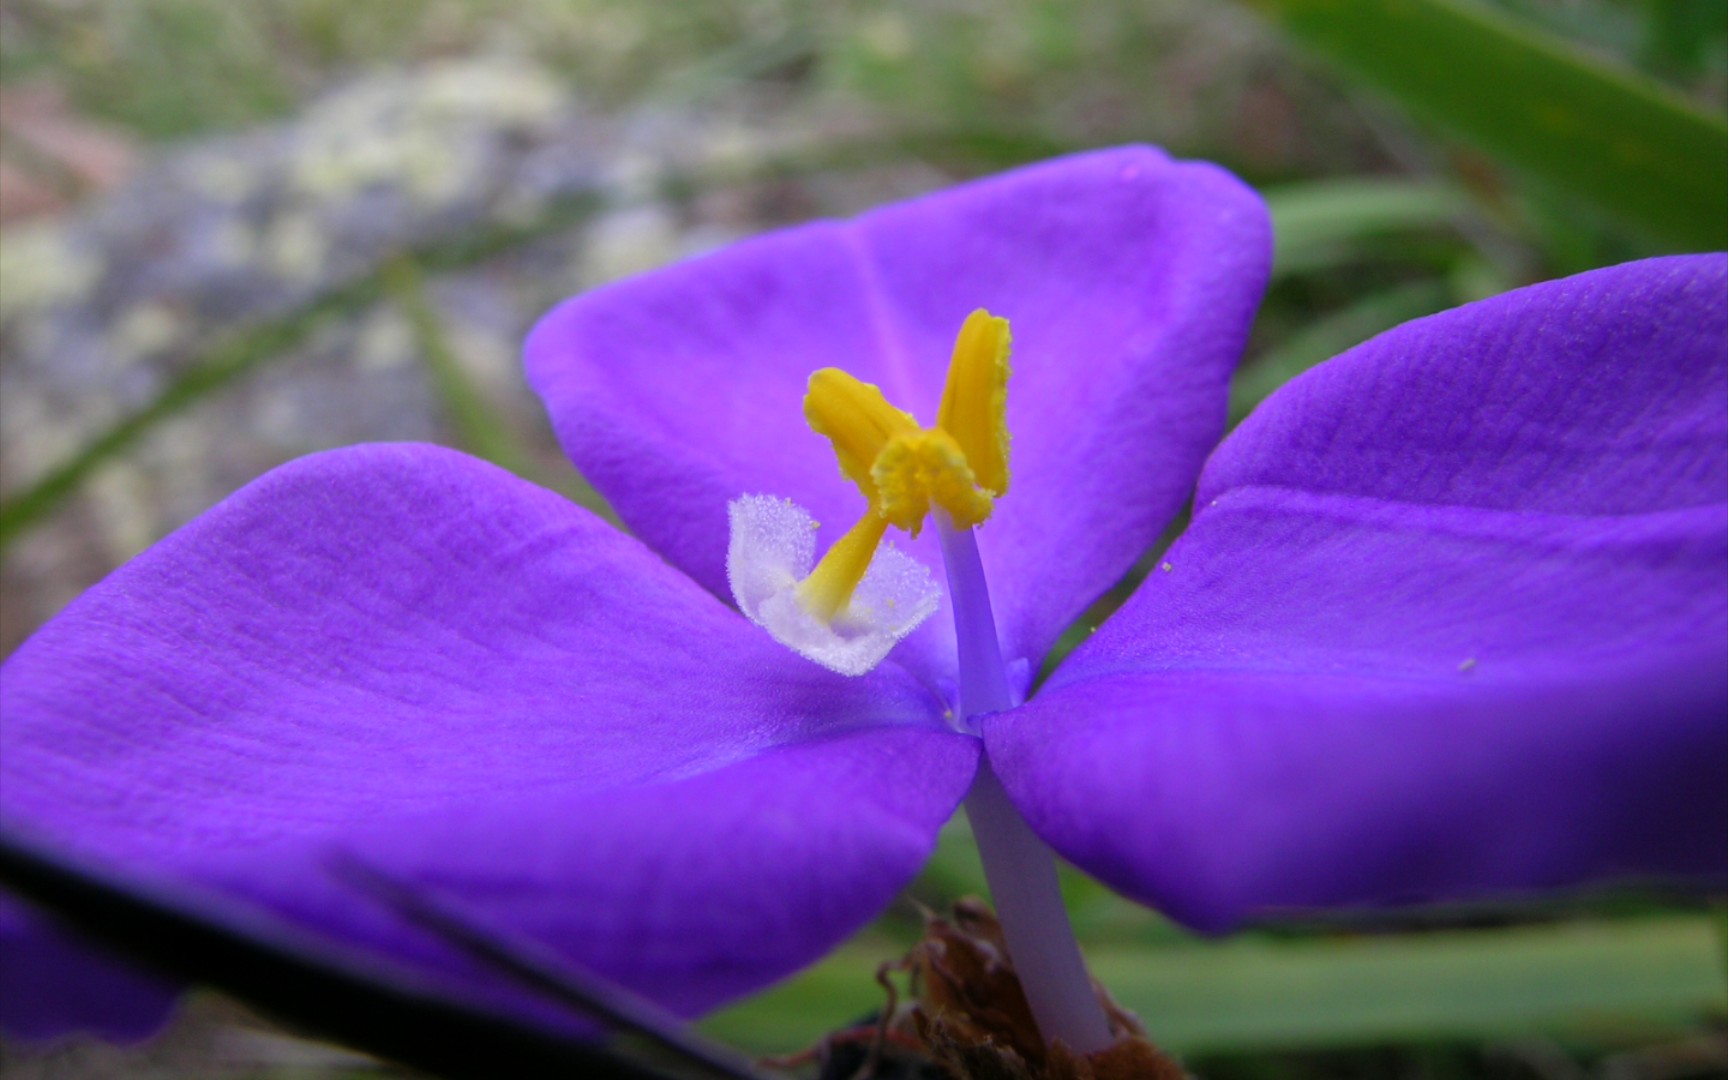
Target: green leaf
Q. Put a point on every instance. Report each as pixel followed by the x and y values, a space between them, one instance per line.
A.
pixel 1634 975
pixel 1322 223
pixel 1567 978
pixel 1608 135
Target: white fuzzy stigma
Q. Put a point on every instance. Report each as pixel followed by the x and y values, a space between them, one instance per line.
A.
pixel 773 547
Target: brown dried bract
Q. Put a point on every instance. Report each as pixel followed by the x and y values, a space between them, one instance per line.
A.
pixel 967 1018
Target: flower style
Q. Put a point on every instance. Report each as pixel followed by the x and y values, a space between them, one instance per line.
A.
pixel 1450 620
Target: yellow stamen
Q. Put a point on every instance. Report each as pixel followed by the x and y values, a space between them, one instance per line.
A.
pixel 857 419
pixel 828 589
pixel 975 401
pixel 959 466
pixel 924 467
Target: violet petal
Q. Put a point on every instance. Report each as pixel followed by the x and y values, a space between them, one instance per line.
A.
pixel 406 655
pixel 1130 281
pixel 1451 619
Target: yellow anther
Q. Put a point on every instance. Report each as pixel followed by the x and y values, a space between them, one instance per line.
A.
pixel 857 419
pixel 924 467
pixel 975 401
pixel 959 466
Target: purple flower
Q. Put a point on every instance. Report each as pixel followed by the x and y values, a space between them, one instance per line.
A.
pixel 1451 619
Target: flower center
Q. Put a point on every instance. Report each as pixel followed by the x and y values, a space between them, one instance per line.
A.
pixel 959 466
pixel 863 597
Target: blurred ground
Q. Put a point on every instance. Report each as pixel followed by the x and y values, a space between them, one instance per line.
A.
pixel 232 234
pixel 106 306
pixel 51 157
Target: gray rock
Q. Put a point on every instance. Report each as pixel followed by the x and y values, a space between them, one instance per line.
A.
pixel 102 312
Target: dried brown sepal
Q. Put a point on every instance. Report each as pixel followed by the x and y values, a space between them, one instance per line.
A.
pixel 962 976
pixel 966 1017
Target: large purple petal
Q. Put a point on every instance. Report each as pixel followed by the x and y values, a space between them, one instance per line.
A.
pixel 1452 618
pixel 1130 281
pixel 406 655
pixel 1224 796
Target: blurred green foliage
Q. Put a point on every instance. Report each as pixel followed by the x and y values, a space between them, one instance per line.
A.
pixel 1596 976
pixel 1380 219
pixel 1579 125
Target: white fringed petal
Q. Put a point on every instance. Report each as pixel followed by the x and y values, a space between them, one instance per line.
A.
pixel 773 547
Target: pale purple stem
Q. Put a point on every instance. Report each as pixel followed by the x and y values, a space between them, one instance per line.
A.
pixel 1019 867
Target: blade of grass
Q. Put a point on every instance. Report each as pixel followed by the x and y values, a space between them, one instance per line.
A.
pixel 299 978
pixel 247 350
pixel 1608 135
pixel 479 428
pixel 535 968
pixel 222 366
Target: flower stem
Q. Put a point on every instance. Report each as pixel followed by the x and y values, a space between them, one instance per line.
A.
pixel 1020 869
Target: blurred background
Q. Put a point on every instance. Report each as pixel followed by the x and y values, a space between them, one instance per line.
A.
pixel 235 233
